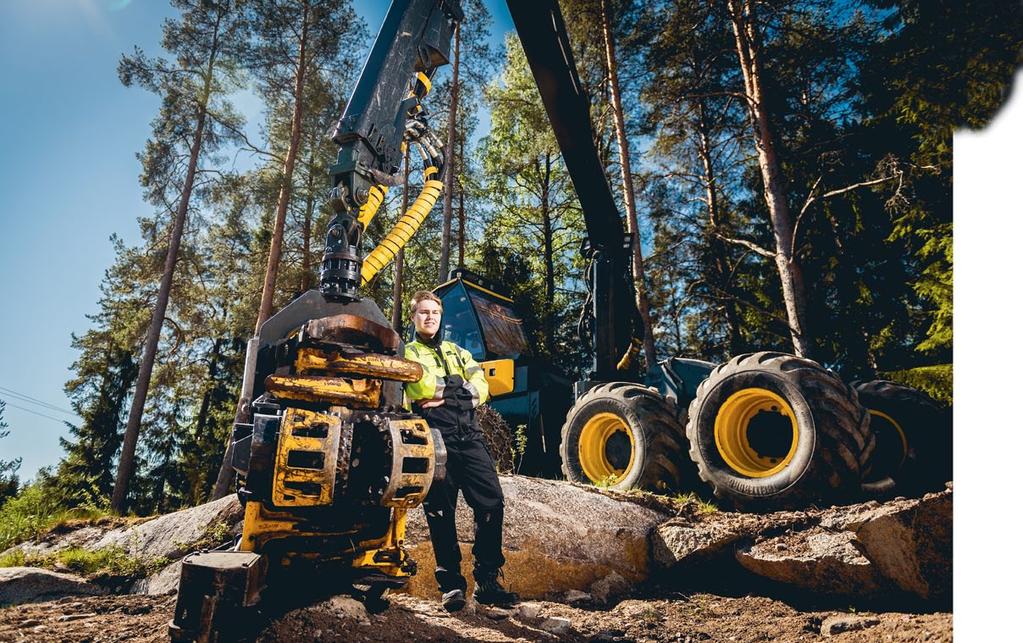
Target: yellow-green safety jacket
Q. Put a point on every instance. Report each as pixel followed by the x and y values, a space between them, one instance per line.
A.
pixel 455 378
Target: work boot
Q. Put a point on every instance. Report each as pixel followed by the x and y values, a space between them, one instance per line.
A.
pixel 490 592
pixel 453 600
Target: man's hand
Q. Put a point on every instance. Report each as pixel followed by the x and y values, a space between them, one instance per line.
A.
pixel 429 404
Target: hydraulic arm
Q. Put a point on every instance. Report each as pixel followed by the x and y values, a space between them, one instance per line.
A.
pixel 383 115
pixel 610 319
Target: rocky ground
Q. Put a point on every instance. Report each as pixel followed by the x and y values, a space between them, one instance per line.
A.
pixel 638 568
pixel 675 617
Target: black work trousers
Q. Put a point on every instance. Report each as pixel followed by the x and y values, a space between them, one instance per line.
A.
pixel 471 470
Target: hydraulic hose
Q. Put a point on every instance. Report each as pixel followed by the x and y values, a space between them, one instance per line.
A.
pixel 404 228
pixel 372 204
pixel 630 354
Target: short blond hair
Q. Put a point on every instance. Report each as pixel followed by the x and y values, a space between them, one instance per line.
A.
pixel 424 295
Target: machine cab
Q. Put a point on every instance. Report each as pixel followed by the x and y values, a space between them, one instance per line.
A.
pixel 483 321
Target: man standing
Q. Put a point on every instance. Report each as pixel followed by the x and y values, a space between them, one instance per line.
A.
pixel 451 388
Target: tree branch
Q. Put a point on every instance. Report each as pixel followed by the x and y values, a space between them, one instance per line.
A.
pixel 763 252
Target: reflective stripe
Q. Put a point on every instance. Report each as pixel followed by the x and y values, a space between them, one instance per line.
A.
pixel 475 394
pixel 438 394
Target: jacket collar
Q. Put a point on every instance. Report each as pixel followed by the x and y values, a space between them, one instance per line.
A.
pixel 433 342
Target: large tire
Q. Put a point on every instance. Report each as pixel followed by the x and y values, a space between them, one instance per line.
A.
pixel 914 439
pixel 771 430
pixel 623 436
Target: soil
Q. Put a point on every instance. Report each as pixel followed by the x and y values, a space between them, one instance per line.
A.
pixel 673 617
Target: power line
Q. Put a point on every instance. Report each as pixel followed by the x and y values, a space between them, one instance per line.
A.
pixel 49 417
pixel 32 400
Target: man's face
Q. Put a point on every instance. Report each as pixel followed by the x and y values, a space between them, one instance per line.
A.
pixel 427 318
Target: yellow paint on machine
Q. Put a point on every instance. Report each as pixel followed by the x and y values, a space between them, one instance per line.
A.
pixel 313 361
pixel 731 431
pixel 593 441
pixel 387 554
pixel 307 450
pixel 500 374
pixel 357 393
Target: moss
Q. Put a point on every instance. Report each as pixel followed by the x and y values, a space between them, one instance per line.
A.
pixel 15 558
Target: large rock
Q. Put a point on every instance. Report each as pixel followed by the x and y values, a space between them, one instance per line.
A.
pixel 557 536
pixel 866 549
pixel 698 538
pixel 869 549
pixel 31 584
pixel 909 542
pixel 816 559
pixel 173 535
pixel 164 581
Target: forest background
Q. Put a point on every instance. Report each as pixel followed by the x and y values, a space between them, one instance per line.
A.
pixel 859 99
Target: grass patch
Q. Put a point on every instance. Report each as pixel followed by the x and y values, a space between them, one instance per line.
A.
pixel 702 506
pixel 35 512
pixel 14 558
pixel 215 535
pixel 108 561
pixel 608 482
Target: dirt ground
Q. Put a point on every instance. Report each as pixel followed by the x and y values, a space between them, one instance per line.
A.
pixel 678 617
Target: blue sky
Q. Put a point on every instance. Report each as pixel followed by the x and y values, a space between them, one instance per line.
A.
pixel 68 180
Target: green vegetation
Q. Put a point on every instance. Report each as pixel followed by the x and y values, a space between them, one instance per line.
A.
pixel 861 96
pixel 936 381
pixel 608 482
pixel 112 561
pixel 702 506
pixel 37 510
pixel 215 535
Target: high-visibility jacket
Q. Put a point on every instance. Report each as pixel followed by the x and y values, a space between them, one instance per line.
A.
pixel 437 382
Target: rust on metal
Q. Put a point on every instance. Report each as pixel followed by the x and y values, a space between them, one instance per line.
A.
pixel 333 390
pixel 314 361
pixel 298 483
pixel 352 330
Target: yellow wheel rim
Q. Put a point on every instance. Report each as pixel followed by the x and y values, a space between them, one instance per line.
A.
pixel 600 448
pixel 740 422
pixel 898 429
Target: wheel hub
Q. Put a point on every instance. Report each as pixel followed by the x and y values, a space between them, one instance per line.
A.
pixel 606 448
pixel 755 432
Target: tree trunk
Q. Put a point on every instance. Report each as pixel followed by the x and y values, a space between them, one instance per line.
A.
pixel 126 465
pixel 277 240
pixel 307 224
pixel 202 418
pixel 548 253
pixel 744 26
pixel 717 247
pixel 449 161
pixel 399 260
pixel 649 348
pixel 284 197
pixel 461 210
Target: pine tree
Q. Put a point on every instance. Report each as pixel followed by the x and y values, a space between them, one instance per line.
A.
pixel 194 120
pixel 297 42
pixel 8 468
pixel 534 206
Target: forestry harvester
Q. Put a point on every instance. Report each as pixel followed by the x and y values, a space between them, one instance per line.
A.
pixel 328 458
